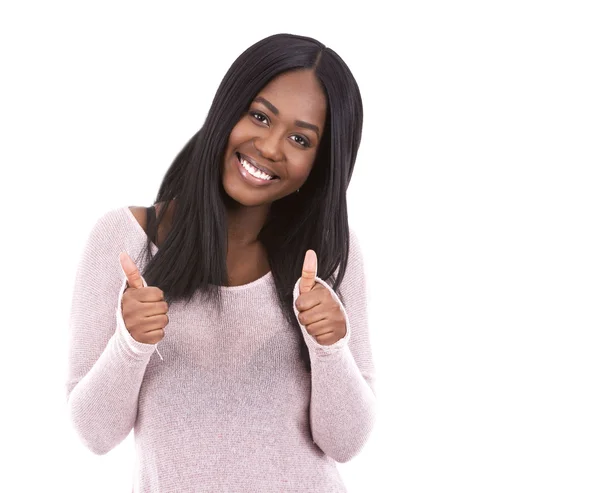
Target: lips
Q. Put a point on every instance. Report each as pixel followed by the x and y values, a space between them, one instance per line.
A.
pixel 264 169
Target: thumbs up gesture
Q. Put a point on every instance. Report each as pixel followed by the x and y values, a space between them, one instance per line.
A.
pixel 318 311
pixel 143 307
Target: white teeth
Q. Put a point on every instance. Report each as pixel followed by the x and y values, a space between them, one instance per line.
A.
pixel 253 171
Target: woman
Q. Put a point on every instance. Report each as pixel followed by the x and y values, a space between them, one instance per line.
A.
pixel 264 377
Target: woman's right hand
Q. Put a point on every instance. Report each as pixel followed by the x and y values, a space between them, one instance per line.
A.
pixel 144 309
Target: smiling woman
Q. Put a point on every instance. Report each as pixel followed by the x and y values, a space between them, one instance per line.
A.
pixel 265 369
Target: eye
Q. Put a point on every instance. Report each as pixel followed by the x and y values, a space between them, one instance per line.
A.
pixel 304 142
pixel 257 116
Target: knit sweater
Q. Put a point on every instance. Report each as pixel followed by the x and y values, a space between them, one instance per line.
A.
pixel 227 405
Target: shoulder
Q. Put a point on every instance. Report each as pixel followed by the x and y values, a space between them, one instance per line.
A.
pixel 116 226
pixel 140 215
pixel 355 268
pixel 354 249
pixel 109 233
pixel 355 264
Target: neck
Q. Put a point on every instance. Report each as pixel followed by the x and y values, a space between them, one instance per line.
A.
pixel 244 224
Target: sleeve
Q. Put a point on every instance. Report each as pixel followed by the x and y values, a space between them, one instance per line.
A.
pixel 343 402
pixel 106 365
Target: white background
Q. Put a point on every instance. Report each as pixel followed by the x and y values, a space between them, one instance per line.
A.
pixel 475 197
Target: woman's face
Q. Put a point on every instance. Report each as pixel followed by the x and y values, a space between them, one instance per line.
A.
pixel 279 134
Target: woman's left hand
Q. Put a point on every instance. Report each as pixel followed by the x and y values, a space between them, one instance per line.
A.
pixel 318 311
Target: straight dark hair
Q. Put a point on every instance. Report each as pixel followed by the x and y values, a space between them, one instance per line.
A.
pixel 193 256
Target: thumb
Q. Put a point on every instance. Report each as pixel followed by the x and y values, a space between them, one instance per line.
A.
pixel 131 271
pixel 309 272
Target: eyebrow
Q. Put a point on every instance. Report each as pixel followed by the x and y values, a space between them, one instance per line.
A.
pixel 298 123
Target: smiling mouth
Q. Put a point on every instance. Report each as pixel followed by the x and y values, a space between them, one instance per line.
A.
pixel 254 170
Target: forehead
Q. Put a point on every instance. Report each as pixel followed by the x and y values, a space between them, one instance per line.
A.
pixel 297 94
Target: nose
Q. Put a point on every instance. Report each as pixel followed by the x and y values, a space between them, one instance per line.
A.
pixel 269 146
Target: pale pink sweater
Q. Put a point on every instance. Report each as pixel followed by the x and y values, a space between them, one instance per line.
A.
pixel 230 406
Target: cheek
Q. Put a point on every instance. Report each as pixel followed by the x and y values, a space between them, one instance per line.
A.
pixel 237 134
pixel 302 165
pixel 233 137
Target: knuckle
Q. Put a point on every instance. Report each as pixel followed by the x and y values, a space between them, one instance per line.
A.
pixel 126 311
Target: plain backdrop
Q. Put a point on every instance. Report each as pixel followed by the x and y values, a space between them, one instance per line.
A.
pixel 475 197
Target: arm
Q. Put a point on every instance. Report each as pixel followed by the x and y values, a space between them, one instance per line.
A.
pixel 343 402
pixel 106 364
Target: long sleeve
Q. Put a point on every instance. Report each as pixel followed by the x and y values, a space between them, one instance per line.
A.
pixel 343 401
pixel 106 364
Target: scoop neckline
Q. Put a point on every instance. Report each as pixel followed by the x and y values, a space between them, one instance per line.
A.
pixel 155 249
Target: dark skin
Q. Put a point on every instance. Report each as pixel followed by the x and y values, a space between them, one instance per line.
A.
pixel 274 133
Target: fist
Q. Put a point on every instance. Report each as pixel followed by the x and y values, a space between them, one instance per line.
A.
pixel 144 309
pixel 319 311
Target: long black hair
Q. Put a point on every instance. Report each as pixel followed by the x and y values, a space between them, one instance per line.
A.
pixel 193 256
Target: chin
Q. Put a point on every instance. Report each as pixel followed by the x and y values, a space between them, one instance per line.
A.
pixel 246 198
